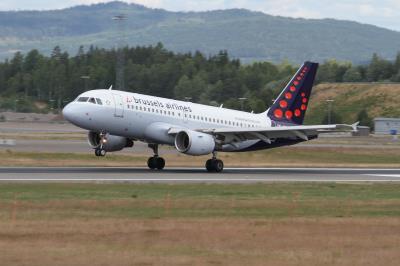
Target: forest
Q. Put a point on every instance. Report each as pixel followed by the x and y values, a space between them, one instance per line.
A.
pixel 54 80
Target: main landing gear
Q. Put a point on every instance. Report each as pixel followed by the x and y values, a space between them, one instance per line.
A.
pixel 155 162
pixel 214 164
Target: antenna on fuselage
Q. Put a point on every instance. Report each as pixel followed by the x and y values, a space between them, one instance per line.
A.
pixel 111 87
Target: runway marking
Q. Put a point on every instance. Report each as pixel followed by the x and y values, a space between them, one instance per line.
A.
pixel 202 168
pixel 194 180
pixel 383 175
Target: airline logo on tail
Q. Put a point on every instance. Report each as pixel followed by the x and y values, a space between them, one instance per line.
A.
pixel 291 105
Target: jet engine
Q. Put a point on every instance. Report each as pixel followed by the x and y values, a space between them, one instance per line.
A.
pixel 194 143
pixel 110 142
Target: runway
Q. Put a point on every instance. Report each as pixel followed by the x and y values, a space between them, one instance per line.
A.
pixel 197 175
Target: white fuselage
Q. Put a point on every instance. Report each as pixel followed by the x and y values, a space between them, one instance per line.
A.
pixel 147 118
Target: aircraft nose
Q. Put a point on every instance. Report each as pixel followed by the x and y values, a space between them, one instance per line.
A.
pixel 70 113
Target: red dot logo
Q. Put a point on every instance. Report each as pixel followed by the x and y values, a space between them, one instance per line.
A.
pixel 283 104
pixel 303 94
pixel 298 78
pixel 288 95
pixel 296 83
pixel 304 100
pixel 292 88
pixel 278 113
pixel 288 115
pixel 297 113
pixel 303 107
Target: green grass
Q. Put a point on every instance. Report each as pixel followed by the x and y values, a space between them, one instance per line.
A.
pixel 275 200
pixel 298 156
pixel 44 156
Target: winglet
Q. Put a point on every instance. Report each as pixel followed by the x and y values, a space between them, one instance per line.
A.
pixel 111 87
pixel 355 125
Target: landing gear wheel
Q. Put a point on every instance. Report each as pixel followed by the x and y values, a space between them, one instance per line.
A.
pixel 100 152
pixel 218 166
pixel 214 165
pixel 209 165
pixel 160 163
pixel 156 163
pixel 151 163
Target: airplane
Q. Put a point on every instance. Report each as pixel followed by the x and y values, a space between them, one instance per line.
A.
pixel 116 119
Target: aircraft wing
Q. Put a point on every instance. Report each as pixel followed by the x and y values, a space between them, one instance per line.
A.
pixel 265 134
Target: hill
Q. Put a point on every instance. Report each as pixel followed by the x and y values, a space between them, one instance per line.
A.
pixel 378 99
pixel 245 34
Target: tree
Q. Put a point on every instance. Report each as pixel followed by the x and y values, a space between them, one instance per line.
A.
pixel 364 119
pixel 352 75
pixel 396 78
pixel 190 88
pixel 397 63
pixel 379 69
pixel 332 71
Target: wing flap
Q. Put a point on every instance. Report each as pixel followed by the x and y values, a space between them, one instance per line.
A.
pixel 266 134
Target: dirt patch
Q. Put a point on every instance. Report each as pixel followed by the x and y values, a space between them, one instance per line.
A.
pixel 222 241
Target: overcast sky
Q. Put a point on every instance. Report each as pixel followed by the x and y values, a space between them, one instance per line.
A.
pixel 384 13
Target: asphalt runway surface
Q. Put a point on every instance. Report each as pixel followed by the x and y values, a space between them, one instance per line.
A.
pixel 196 175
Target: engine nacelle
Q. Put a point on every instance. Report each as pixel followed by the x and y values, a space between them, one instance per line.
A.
pixel 113 143
pixel 194 143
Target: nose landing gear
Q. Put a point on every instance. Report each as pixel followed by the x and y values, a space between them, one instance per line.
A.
pixel 155 162
pixel 100 152
pixel 214 164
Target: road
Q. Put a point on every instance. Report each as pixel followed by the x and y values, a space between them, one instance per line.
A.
pixel 197 175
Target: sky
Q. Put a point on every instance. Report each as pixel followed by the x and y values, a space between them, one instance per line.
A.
pixel 383 13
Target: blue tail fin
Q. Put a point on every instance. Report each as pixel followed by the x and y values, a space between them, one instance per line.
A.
pixel 291 105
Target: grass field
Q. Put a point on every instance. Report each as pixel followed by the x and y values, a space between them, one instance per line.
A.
pixel 285 157
pixel 207 224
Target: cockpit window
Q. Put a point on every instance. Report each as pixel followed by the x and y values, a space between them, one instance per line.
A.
pixel 99 101
pixel 92 100
pixel 83 99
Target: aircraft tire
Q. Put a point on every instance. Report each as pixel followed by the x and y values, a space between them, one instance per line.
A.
pixel 160 163
pixel 218 166
pixel 214 165
pixel 151 163
pixel 209 165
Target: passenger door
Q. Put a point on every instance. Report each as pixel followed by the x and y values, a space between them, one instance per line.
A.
pixel 119 105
